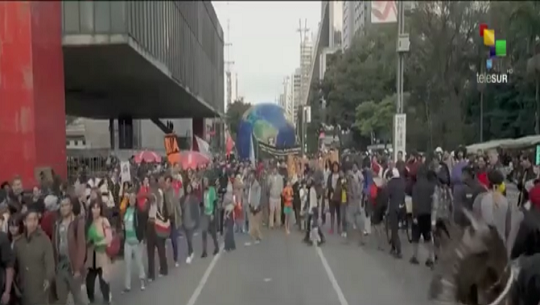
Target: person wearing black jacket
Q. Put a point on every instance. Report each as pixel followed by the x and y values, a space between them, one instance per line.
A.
pixel 466 195
pixel 221 190
pixel 396 202
pixel 297 203
pixel 422 205
pixel 525 176
pixel 7 270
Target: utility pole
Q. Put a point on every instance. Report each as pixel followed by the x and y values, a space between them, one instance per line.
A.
pixel 403 45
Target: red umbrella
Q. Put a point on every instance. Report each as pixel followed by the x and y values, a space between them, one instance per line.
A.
pixel 147 156
pixel 193 159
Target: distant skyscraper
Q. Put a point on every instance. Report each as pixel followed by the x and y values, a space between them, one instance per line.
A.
pixel 296 89
pixel 335 11
pixel 356 16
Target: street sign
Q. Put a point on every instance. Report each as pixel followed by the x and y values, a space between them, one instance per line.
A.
pixel 400 134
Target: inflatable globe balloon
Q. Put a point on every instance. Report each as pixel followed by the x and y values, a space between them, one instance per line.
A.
pixel 265 123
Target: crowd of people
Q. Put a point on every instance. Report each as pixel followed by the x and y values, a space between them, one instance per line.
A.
pixel 58 237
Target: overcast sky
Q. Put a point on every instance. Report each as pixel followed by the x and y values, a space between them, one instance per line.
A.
pixel 266 44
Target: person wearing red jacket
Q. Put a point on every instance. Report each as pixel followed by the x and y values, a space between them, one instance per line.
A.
pixel 142 195
pixel 482 171
pixel 534 195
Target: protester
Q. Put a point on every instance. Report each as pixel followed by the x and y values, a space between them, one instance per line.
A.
pixel 69 245
pixel 254 202
pixel 10 292
pixel 313 210
pixel 172 202
pixel 134 222
pixel 396 201
pixel 275 188
pixel 35 258
pixel 422 205
pixel 98 263
pixel 334 197
pixel 493 207
pixel 157 231
pixel 229 222
pixel 208 221
pixel 190 218
pixel 355 213
pixel 288 196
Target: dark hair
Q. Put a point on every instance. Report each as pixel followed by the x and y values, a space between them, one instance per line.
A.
pixel 76 205
pixel 89 217
pixel 432 176
pixel 495 178
pixel 334 164
pixel 15 220
pixel 469 170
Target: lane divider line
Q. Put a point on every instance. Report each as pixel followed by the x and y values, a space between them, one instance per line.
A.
pixel 331 277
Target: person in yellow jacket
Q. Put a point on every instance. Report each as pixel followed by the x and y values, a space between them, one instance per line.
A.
pixel 124 199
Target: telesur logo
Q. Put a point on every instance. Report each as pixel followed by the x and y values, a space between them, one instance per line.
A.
pixel 497 48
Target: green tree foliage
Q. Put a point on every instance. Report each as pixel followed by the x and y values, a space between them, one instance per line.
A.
pixel 234 115
pixel 376 117
pixel 447 52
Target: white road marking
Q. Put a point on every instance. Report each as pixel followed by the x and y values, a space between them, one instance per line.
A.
pixel 204 278
pixel 267 279
pixel 331 277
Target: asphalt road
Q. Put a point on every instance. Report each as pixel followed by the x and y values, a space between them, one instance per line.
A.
pixel 282 270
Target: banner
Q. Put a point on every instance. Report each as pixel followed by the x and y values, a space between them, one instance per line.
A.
pixel 400 134
pixel 279 151
pixel 171 148
pixel 125 171
pixel 204 147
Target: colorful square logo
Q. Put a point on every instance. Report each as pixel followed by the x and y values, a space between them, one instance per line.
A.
pixel 497 47
pixel 500 48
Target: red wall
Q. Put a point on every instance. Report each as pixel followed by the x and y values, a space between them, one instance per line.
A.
pixel 32 105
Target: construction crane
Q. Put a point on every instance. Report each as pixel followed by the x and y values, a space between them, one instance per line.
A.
pixel 303 31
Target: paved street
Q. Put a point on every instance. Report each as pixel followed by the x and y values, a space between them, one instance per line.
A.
pixel 283 270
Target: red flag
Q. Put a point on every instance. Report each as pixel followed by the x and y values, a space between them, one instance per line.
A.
pixel 229 144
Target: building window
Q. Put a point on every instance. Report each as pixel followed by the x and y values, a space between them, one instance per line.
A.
pixel 84 142
pixel 75 142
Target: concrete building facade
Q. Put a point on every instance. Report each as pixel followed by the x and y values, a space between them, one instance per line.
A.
pixel 296 89
pixel 356 17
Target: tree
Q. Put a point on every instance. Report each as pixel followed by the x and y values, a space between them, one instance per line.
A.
pixel 376 117
pixel 234 115
pixel 447 52
pixel 365 72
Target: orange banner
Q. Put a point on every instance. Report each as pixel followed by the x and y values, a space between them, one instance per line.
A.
pixel 171 148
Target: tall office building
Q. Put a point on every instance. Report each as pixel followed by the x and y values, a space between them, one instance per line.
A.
pixel 286 99
pixel 356 16
pixel 335 11
pixel 296 89
pixel 231 88
pixel 306 61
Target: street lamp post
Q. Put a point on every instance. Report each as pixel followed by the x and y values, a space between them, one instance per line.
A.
pixel 403 45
